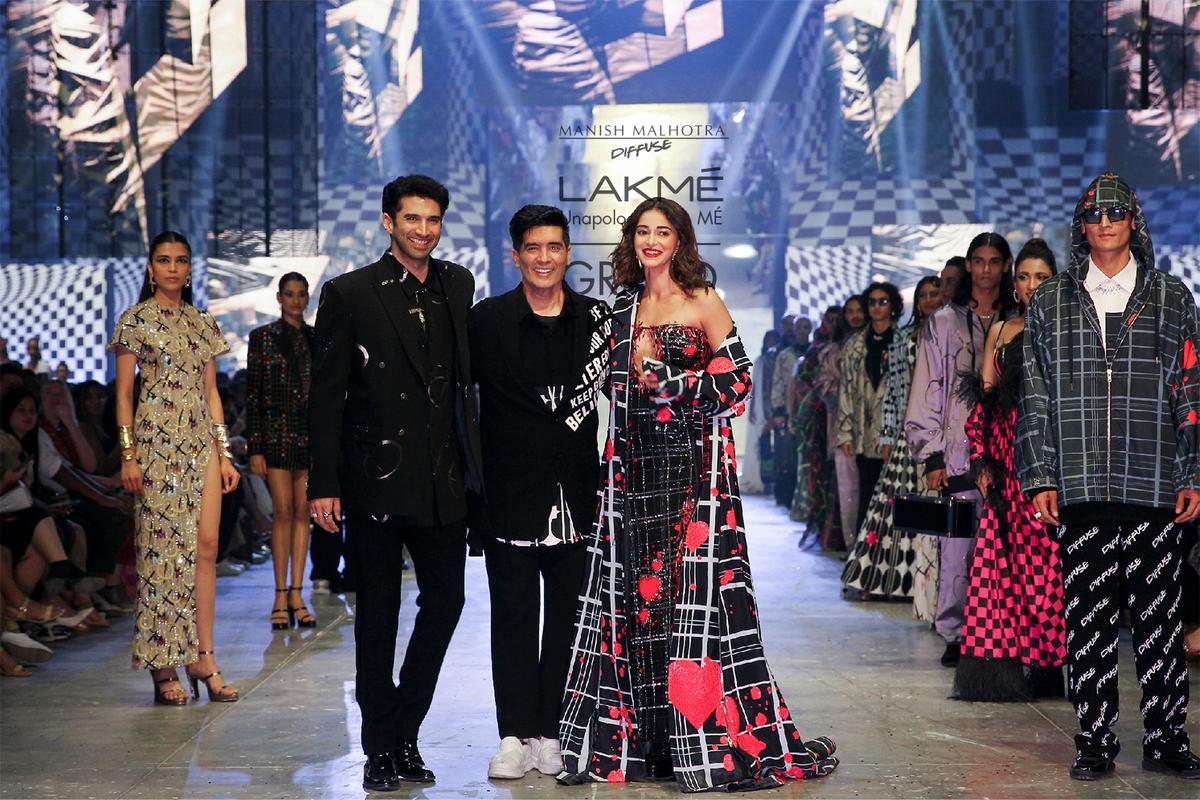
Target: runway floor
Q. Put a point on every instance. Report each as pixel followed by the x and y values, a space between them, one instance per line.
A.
pixel 864 673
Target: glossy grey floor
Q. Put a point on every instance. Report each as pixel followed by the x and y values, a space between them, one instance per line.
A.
pixel 865 673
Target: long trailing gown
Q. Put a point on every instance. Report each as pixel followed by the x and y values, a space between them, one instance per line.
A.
pixel 813 503
pixel 881 561
pixel 1014 638
pixel 667 647
pixel 173 430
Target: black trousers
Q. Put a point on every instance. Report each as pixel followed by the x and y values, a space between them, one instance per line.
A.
pixel 1109 558
pixel 106 530
pixel 869 470
pixel 784 449
pixel 392 711
pixel 325 550
pixel 528 684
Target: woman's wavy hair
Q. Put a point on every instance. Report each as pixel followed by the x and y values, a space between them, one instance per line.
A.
pixel 1005 304
pixel 917 316
pixel 688 270
pixel 895 301
pixel 166 237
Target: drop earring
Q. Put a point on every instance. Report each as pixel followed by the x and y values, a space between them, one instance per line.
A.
pixel 153 285
pixel 188 282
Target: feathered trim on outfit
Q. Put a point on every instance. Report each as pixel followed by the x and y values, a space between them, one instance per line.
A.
pixel 990 680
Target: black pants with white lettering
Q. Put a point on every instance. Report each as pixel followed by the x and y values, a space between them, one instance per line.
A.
pixel 1106 560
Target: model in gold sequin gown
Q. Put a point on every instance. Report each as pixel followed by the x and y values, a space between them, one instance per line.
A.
pixel 173 428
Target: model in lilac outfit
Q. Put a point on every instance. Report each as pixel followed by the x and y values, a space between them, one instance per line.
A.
pixel 935 424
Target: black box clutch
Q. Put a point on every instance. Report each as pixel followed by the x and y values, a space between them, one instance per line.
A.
pixel 951 517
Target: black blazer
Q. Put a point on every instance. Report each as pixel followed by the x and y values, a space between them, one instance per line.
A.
pixel 368 400
pixel 527 449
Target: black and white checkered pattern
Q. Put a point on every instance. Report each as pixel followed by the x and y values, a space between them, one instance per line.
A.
pixel 818 277
pixel 474 259
pixel 1182 261
pixel 1062 33
pixel 1035 174
pixel 960 86
pixel 125 276
pixel 827 214
pixel 63 305
pixel 1170 212
pixel 994 39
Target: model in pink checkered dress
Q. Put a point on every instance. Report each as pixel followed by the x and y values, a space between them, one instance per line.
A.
pixel 1013 638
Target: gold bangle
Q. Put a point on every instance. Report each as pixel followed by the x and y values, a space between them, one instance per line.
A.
pixel 127 455
pixel 125 436
pixel 221 434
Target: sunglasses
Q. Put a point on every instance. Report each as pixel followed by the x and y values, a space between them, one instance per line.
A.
pixel 877 301
pixel 1115 214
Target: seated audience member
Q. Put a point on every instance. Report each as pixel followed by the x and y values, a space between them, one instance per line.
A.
pixel 27 528
pixel 104 517
pixel 17 648
pixel 91 400
pixel 11 376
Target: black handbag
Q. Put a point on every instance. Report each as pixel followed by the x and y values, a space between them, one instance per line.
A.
pixel 951 517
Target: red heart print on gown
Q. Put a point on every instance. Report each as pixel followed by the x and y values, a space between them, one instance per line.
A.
pixel 720 365
pixel 649 587
pixel 697 534
pixel 694 689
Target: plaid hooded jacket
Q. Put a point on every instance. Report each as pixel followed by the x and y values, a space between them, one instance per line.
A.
pixel 1117 426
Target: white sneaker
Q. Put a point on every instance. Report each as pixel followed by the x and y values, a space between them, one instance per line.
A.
pixel 25 649
pixel 320 587
pixel 513 759
pixel 549 757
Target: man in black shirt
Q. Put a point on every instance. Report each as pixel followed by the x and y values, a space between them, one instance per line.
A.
pixel 394 444
pixel 540 355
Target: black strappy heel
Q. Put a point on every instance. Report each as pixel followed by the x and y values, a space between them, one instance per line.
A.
pixel 284 624
pixel 308 621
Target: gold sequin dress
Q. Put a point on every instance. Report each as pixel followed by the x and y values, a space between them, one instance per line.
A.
pixel 173 430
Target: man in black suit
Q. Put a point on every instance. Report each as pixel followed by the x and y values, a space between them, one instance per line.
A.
pixel 540 356
pixel 394 443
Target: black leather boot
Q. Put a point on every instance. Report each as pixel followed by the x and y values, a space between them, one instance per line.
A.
pixel 379 773
pixel 409 764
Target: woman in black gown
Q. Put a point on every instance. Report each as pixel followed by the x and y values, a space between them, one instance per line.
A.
pixel 668 677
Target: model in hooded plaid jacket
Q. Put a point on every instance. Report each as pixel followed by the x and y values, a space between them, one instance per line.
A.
pixel 1108 428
